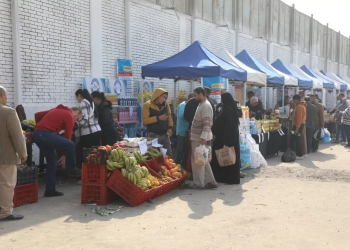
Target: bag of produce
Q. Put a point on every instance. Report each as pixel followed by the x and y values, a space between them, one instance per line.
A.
pixel 201 155
pixel 326 138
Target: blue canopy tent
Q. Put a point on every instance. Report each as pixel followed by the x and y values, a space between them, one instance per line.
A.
pixel 326 84
pixel 302 81
pixel 343 85
pixel 192 63
pixel 272 77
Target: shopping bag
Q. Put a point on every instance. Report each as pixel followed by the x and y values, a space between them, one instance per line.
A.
pixel 201 155
pixel 226 156
pixel 326 138
pixel 246 161
pixel 288 156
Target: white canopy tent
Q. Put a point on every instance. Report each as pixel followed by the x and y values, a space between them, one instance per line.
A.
pixel 317 84
pixel 336 84
pixel 338 79
pixel 288 80
pixel 253 76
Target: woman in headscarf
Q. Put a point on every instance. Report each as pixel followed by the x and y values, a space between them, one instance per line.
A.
pixel 226 132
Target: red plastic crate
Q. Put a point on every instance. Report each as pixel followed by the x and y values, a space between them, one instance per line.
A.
pixel 99 194
pixel 160 160
pixel 24 194
pixel 128 191
pixel 150 170
pixel 153 164
pixel 94 174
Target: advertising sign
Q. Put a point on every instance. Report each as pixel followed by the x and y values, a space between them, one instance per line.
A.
pixel 148 89
pixel 216 84
pixel 94 84
pixel 124 67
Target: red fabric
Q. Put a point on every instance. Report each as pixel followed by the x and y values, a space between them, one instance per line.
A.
pixel 55 120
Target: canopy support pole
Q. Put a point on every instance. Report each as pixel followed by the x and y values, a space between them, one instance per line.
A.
pixel 324 97
pixel 174 101
pixel 244 93
pixel 141 88
pixel 283 96
pixel 265 97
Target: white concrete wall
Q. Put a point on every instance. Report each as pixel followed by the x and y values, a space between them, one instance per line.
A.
pixel 6 69
pixel 56 50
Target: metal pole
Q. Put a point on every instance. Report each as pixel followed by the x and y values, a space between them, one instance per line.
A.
pixel 283 96
pixel 17 74
pixel 244 92
pixel 325 66
pixel 142 100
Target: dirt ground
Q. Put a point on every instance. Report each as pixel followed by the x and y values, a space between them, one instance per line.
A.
pixel 303 205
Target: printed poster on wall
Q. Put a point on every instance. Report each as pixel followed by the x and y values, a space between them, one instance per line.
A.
pixel 125 75
pixel 216 84
pixel 148 89
pixel 94 84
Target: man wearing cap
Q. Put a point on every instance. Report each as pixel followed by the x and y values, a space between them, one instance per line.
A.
pixel 318 121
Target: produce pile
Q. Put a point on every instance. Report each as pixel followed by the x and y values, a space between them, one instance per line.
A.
pixel 140 175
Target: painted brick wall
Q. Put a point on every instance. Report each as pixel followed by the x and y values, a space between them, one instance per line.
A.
pixel 154 37
pixel 282 54
pixel 254 47
pixel 213 38
pixel 55 50
pixel 6 68
pixel 113 35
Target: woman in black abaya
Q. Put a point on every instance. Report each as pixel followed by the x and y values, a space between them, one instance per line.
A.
pixel 226 132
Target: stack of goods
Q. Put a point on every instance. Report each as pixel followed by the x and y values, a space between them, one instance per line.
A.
pixel 245 112
pixel 26 190
pixel 94 177
pixel 244 126
pixel 268 125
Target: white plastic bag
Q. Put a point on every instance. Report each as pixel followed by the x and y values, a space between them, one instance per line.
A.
pixel 201 155
pixel 256 157
pixel 327 132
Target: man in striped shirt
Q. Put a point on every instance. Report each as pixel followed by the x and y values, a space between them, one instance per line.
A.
pixel 201 135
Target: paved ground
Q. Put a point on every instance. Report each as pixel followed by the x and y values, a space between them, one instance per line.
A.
pixel 304 205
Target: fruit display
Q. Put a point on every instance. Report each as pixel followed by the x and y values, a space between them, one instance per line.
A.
pixel 139 157
pixel 95 155
pixel 116 159
pixel 153 153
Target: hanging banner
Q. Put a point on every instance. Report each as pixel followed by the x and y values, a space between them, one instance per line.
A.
pixel 125 76
pixel 216 84
pixel 94 84
pixel 148 89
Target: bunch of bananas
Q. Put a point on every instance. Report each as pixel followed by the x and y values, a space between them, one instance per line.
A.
pixel 153 153
pixel 116 159
pixel 135 173
pixel 153 180
pixel 139 157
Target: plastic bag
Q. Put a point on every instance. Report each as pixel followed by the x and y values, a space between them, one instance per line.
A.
pixel 201 155
pixel 319 134
pixel 246 161
pixel 326 138
pixel 257 160
pixel 288 156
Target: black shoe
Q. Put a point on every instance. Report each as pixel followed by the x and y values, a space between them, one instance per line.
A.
pixel 74 173
pixel 53 193
pixel 12 217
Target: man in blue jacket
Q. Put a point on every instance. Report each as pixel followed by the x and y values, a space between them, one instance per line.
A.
pixel 181 132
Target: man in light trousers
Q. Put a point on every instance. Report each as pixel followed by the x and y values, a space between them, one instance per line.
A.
pixel 201 135
pixel 12 152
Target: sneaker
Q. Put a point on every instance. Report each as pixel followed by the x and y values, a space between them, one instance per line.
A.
pixel 75 173
pixel 300 158
pixel 52 193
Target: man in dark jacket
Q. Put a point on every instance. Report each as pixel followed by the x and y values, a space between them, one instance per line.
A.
pixel 310 115
pixel 318 120
pixel 156 114
pixel 211 100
